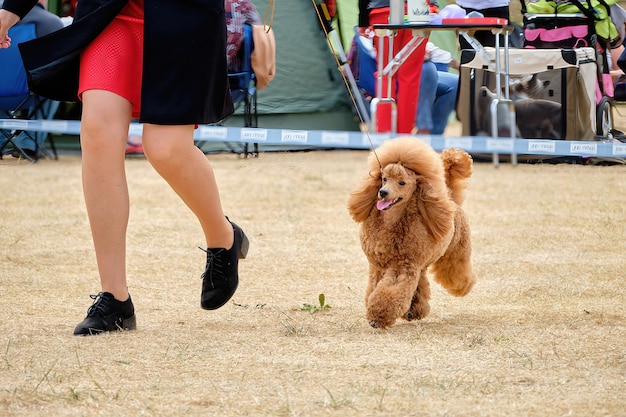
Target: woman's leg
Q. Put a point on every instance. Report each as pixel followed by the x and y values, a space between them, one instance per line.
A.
pixel 104 131
pixel 445 103
pixel 426 98
pixel 172 153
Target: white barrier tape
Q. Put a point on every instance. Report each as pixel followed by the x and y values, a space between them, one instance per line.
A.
pixel 354 140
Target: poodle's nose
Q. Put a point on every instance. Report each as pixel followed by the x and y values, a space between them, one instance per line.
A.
pixel 383 193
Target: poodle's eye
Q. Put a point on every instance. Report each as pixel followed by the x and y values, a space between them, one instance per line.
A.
pixel 384 179
pixel 402 183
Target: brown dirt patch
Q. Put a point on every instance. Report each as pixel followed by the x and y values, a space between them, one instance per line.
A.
pixel 542 333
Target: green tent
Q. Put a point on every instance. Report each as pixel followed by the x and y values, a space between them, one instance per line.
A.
pixel 308 91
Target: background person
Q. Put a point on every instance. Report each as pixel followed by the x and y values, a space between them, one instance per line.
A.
pixel 238 13
pixel 488 8
pixel 406 82
pixel 436 100
pixel 45 23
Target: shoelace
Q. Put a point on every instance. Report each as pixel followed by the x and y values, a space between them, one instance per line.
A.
pixel 213 264
pixel 99 305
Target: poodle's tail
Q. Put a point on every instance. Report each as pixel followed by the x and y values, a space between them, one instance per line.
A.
pixel 458 168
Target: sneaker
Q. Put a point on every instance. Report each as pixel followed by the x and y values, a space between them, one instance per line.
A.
pixel 221 278
pixel 107 314
pixel 134 149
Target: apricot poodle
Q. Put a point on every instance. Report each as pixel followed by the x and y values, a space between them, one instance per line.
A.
pixel 409 209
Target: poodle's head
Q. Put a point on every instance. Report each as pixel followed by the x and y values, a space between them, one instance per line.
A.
pixel 397 187
pixel 405 173
pixel 412 154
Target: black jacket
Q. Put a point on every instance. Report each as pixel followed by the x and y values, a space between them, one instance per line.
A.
pixel 184 69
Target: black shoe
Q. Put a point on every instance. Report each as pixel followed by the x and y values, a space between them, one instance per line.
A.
pixel 107 314
pixel 220 278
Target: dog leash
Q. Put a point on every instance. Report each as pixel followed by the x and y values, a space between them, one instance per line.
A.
pixel 326 23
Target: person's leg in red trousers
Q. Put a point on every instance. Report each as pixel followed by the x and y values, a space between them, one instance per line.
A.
pixel 405 84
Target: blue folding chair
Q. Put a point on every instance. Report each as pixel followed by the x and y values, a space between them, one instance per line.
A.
pixel 366 65
pixel 243 90
pixel 17 101
pixel 243 82
pixel 243 87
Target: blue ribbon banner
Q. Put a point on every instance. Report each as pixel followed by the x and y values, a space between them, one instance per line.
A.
pixel 355 140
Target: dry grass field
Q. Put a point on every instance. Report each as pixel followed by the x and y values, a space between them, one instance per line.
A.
pixel 543 333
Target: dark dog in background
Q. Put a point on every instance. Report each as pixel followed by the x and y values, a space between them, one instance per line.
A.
pixel 528 86
pixel 535 117
pixel 539 119
pixel 504 116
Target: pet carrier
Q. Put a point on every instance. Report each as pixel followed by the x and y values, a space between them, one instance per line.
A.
pixel 574 24
pixel 553 93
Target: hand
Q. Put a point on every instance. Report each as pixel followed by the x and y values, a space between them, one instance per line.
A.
pixel 7 20
pixel 367 32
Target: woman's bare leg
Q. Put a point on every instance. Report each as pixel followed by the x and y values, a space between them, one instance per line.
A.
pixel 104 132
pixel 172 153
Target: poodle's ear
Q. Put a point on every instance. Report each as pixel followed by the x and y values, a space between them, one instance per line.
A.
pixel 364 197
pixel 435 207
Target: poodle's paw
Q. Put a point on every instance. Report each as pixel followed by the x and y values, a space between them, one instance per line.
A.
pixel 417 312
pixel 381 324
pixel 412 315
pixel 385 305
pixel 375 324
pixel 378 321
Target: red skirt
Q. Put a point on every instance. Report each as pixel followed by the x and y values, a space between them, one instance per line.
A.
pixel 114 60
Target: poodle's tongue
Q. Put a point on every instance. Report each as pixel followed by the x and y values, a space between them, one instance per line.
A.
pixel 383 204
